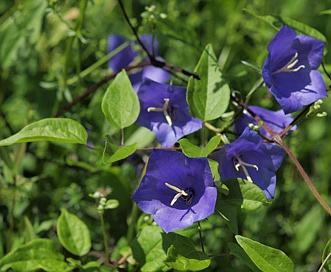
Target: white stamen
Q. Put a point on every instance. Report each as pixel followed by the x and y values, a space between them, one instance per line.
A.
pixel 164 109
pixel 178 195
pixel 243 166
pixel 288 67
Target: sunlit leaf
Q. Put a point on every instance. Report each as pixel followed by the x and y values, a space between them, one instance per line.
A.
pixel 265 258
pixel 120 103
pixel 183 256
pixel 150 247
pixel 208 98
pixel 113 153
pixel 241 254
pixel 192 150
pixel 50 129
pixel 73 233
pixel 39 254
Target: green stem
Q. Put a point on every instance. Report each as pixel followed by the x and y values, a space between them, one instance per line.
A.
pixel 105 239
pixel 200 236
pixel 97 64
pixel 132 224
pixel 279 140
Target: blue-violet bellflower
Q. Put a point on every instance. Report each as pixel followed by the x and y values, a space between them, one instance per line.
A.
pixel 176 190
pixel 164 110
pixel 251 159
pixel 290 70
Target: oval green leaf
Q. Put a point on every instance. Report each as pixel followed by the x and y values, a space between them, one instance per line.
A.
pixel 39 254
pixel 253 196
pixel 183 256
pixel 149 248
pixel 265 258
pixel 113 153
pixel 73 233
pixel 120 103
pixel 326 256
pixel 50 129
pixel 208 98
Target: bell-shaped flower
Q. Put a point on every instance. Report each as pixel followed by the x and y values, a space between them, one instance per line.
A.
pixel 129 56
pixel 251 159
pixel 176 190
pixel 290 70
pixel 276 120
pixel 164 110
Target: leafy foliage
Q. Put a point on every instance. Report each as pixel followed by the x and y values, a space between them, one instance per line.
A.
pixel 71 157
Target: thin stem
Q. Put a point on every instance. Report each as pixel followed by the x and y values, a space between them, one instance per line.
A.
pixel 153 60
pixel 122 136
pixel 132 224
pixel 322 265
pixel 200 236
pixel 105 239
pixel 279 140
pixel 96 86
pixel 97 64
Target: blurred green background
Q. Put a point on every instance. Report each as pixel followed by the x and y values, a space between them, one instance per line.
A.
pixel 45 45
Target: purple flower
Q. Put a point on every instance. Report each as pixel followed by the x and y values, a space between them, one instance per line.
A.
pixel 276 120
pixel 290 70
pixel 164 110
pixel 251 159
pixel 129 55
pixel 176 190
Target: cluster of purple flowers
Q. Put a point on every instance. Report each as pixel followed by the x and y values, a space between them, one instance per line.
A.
pixel 178 190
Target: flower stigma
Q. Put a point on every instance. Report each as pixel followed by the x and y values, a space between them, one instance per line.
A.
pixel 164 109
pixel 288 67
pixel 186 195
pixel 238 162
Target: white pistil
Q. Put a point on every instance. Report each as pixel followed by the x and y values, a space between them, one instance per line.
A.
pixel 288 67
pixel 178 195
pixel 164 109
pixel 240 163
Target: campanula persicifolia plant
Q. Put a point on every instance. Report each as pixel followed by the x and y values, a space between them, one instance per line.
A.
pixel 184 174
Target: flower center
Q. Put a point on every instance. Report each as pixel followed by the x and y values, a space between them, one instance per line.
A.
pixel 289 67
pixel 186 195
pixel 240 164
pixel 166 109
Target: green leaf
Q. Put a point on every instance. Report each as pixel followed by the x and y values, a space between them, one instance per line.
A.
pixel 50 129
pixel 111 204
pixel 253 196
pixel 327 254
pixel 150 247
pixel 305 231
pixel 208 98
pixel 278 21
pixel 142 137
pixel 189 149
pixel 73 233
pixel 192 150
pixel 113 153
pixel 39 254
pixel 120 103
pixel 241 254
pixel 265 258
pixel 20 30
pixel 183 256
pixel 30 233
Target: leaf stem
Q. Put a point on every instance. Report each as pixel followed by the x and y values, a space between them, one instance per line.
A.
pixel 200 236
pixel 105 238
pixel 278 139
